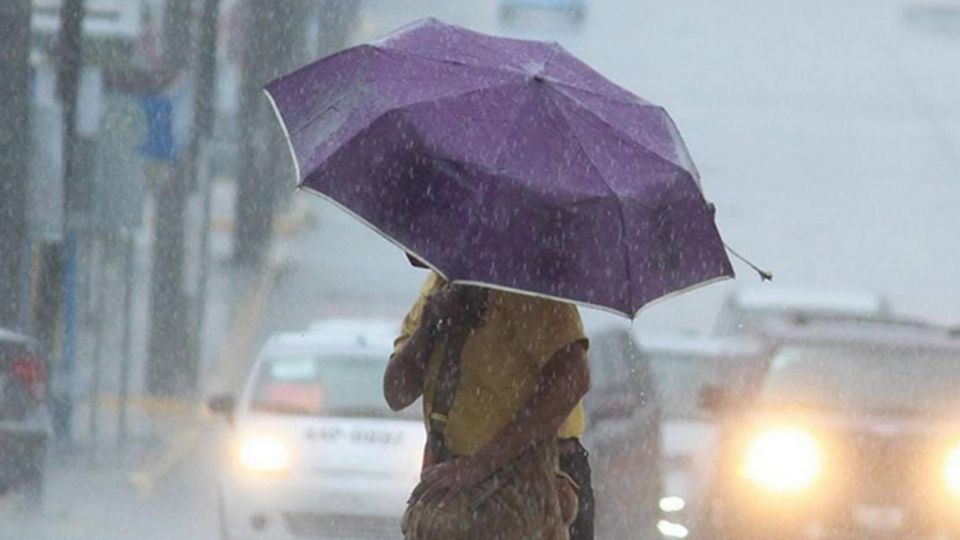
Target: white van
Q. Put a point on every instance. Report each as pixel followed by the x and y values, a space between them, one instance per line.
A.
pixel 315 452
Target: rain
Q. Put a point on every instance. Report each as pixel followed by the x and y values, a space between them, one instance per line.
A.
pixel 224 223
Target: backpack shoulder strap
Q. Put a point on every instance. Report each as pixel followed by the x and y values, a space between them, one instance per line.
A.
pixel 445 390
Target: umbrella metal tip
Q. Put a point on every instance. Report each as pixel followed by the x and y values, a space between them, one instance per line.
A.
pixel 539 78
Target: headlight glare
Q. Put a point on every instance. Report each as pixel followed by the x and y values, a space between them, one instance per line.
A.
pixel 783 460
pixel 262 453
pixel 952 471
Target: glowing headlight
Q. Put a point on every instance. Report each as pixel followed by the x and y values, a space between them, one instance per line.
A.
pixel 670 529
pixel 263 454
pixel 672 504
pixel 783 460
pixel 952 471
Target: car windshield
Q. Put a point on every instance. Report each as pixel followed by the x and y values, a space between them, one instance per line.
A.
pixel 880 380
pixel 679 379
pixel 347 385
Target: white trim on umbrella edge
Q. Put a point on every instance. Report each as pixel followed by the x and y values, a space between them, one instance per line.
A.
pixel 422 259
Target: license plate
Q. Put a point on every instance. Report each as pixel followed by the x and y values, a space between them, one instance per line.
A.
pixel 879 518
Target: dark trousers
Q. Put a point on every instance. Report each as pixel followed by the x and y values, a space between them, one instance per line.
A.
pixel 574 462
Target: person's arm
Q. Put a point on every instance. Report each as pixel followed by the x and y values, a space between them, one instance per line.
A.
pixel 404 376
pixel 403 380
pixel 563 381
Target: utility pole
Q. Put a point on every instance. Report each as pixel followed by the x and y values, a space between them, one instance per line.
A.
pixel 275 34
pixel 75 203
pixel 14 154
pixel 170 368
pixel 205 111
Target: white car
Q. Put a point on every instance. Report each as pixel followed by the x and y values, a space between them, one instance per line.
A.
pixel 315 452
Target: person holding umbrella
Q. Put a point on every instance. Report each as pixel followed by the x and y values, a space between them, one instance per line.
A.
pixel 527 182
pixel 520 372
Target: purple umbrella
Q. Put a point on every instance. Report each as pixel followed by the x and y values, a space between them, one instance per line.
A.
pixel 504 162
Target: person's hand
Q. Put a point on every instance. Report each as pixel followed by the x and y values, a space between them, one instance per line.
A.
pixel 450 478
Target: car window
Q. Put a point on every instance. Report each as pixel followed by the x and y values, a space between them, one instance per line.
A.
pixel 877 379
pixel 346 385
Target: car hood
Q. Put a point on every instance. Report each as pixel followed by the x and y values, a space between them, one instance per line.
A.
pixel 356 447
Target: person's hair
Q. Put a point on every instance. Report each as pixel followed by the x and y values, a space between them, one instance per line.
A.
pixel 475 303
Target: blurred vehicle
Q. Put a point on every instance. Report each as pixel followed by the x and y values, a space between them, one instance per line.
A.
pixel 576 8
pixel 315 451
pixel 622 432
pixel 361 330
pixel 750 310
pixel 842 430
pixel 682 364
pixel 24 419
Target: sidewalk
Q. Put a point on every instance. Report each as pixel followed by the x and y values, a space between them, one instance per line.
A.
pixel 95 481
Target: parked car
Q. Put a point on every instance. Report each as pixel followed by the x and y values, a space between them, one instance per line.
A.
pixel 750 310
pixel 315 451
pixel 623 432
pixel 576 8
pixel 841 430
pixel 24 419
pixel 681 365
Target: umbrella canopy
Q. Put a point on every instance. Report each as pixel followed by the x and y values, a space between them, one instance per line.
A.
pixel 504 162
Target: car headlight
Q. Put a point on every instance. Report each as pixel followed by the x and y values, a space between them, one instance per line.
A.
pixel 669 529
pixel 672 504
pixel 952 471
pixel 263 453
pixel 783 460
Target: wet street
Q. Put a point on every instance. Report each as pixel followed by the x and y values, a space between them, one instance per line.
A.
pixel 833 158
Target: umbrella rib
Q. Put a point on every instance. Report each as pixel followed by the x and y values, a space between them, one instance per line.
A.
pixel 400 108
pixel 623 221
pixel 620 134
pixel 636 100
pixel 318 115
pixel 640 102
pixel 514 127
pixel 458 63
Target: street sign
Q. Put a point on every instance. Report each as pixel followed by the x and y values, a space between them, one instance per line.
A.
pixel 103 19
pixel 118 181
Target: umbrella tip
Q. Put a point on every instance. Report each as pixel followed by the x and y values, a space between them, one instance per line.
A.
pixel 765 275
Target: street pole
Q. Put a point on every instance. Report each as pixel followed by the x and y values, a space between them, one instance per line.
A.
pixel 99 250
pixel 275 35
pixel 254 199
pixel 70 56
pixel 170 369
pixel 15 154
pixel 205 110
pixel 125 360
pixel 337 21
